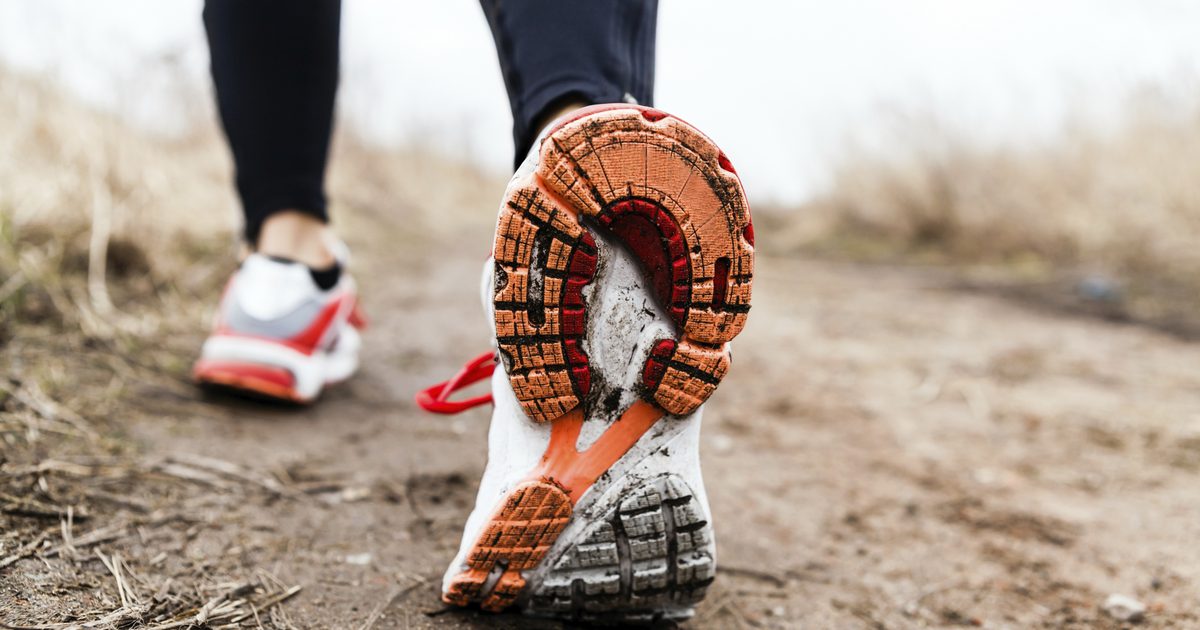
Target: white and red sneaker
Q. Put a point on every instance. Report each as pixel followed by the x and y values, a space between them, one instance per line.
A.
pixel 279 335
pixel 622 266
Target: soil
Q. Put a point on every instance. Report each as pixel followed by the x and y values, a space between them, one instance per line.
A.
pixel 888 451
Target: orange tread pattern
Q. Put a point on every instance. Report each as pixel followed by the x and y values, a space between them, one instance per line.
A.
pixel 542 347
pixel 537 510
pixel 636 170
pixel 599 160
pixel 692 373
pixel 516 539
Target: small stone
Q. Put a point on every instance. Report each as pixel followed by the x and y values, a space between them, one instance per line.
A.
pixel 1124 608
pixel 1099 288
pixel 359 559
pixel 352 494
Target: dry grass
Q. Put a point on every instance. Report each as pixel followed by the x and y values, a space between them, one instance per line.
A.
pixel 1123 201
pixel 1103 219
pixel 82 195
pixel 113 246
pixel 84 202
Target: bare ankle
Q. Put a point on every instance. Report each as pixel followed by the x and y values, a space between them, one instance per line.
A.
pixel 296 236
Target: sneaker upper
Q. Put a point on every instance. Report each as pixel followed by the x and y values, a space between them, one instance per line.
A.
pixel 278 334
pixel 273 299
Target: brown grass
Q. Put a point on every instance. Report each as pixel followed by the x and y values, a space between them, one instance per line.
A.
pixel 114 243
pixel 1123 201
pixel 86 200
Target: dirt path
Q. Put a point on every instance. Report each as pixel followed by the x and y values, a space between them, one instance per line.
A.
pixel 887 452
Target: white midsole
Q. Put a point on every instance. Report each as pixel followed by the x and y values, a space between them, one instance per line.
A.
pixel 311 372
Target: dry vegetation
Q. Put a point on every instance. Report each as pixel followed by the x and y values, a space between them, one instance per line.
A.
pixel 97 227
pixel 112 245
pixel 1119 205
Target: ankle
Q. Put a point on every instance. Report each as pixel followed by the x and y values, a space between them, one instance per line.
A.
pixel 558 112
pixel 296 236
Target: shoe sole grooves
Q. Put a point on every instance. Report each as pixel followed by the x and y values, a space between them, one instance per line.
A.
pixel 650 557
pixel 635 169
pixel 516 539
pixel 539 331
pixel 671 195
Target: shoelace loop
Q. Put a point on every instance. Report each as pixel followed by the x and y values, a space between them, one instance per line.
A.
pixel 436 399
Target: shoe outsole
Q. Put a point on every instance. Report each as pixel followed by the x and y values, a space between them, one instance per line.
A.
pixel 258 381
pixel 273 370
pixel 672 197
pixel 670 194
pixel 516 539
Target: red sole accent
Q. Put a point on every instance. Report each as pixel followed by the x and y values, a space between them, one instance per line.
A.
pixel 263 380
pixel 650 231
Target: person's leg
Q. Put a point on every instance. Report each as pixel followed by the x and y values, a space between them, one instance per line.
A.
pixel 275 68
pixel 557 55
pixel 288 319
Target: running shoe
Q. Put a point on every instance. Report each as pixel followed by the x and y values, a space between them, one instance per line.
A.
pixel 279 335
pixel 621 269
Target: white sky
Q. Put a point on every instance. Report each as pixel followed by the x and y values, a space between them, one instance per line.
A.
pixel 782 86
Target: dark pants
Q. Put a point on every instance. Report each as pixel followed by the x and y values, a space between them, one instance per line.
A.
pixel 275 66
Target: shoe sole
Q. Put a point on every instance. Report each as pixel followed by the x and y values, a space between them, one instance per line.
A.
pixel 265 369
pixel 666 191
pixel 649 557
pixel 256 381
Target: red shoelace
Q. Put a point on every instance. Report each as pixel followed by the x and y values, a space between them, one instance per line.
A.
pixel 436 399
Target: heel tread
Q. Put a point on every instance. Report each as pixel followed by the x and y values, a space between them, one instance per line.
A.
pixel 649 556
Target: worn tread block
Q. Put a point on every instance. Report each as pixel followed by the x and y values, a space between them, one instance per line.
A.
pixel 517 537
pixel 605 158
pixel 663 557
pixel 621 165
pixel 545 258
pixel 689 376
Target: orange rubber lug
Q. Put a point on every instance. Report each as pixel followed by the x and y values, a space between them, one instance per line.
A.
pixel 518 535
pixel 505 592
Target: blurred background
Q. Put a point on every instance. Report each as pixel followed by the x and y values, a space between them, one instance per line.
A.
pixel 874 124
pixel 817 75
pixel 974 333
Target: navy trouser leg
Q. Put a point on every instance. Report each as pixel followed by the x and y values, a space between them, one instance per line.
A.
pixel 275 67
pixel 555 51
